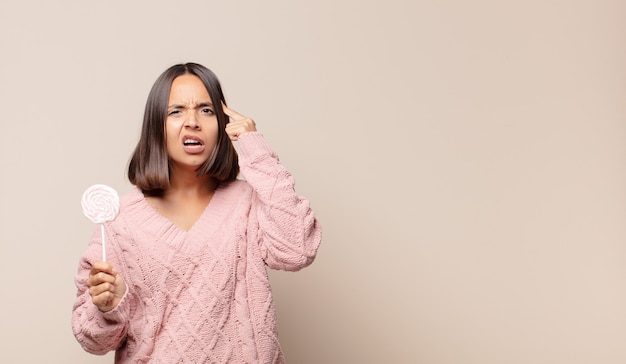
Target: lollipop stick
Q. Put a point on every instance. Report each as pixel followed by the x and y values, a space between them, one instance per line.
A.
pixel 104 249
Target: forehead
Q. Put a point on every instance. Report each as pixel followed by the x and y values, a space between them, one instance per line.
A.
pixel 188 88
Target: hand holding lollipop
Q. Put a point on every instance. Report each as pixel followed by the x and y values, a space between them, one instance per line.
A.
pixel 101 203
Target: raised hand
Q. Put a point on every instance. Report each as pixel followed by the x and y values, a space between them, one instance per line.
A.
pixel 238 125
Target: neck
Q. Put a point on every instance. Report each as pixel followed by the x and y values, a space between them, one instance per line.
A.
pixel 187 183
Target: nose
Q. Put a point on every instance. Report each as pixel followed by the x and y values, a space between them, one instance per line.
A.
pixel 192 122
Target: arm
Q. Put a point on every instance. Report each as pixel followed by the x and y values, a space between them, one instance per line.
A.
pixel 101 309
pixel 289 234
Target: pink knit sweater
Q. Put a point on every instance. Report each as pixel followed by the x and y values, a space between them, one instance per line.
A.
pixel 203 295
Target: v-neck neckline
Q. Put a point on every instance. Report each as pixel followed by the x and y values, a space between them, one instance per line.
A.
pixel 205 226
pixel 168 222
pixel 171 222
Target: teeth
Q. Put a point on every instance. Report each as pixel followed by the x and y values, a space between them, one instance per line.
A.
pixel 191 141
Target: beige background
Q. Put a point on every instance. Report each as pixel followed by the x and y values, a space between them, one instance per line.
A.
pixel 467 160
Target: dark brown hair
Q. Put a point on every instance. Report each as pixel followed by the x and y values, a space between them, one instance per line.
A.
pixel 149 165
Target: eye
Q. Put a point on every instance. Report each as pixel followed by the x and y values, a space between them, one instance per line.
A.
pixel 207 110
pixel 173 112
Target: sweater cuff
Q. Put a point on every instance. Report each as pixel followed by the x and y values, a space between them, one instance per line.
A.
pixel 252 146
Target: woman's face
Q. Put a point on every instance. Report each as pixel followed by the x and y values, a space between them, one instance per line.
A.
pixel 191 123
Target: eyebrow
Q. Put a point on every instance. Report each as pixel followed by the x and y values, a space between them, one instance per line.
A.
pixel 202 104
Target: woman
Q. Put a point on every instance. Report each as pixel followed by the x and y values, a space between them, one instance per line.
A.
pixel 185 278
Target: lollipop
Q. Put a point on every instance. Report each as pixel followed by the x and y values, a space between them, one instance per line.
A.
pixel 101 204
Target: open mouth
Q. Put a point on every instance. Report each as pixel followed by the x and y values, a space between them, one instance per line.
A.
pixel 188 142
pixel 193 144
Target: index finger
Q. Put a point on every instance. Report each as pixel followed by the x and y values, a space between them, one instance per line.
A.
pixel 232 113
pixel 105 267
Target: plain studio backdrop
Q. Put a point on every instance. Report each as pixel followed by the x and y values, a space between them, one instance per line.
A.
pixel 466 159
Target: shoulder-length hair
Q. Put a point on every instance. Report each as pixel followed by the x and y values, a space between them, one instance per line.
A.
pixel 149 165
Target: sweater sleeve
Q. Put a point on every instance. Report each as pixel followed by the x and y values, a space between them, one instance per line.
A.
pixel 97 332
pixel 289 234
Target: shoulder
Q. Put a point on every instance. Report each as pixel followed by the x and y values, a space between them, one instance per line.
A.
pixel 235 193
pixel 132 203
pixel 132 206
pixel 235 188
pixel 131 197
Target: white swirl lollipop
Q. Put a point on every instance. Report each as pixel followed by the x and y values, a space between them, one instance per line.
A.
pixel 101 203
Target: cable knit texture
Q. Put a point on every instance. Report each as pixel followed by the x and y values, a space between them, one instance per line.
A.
pixel 202 295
